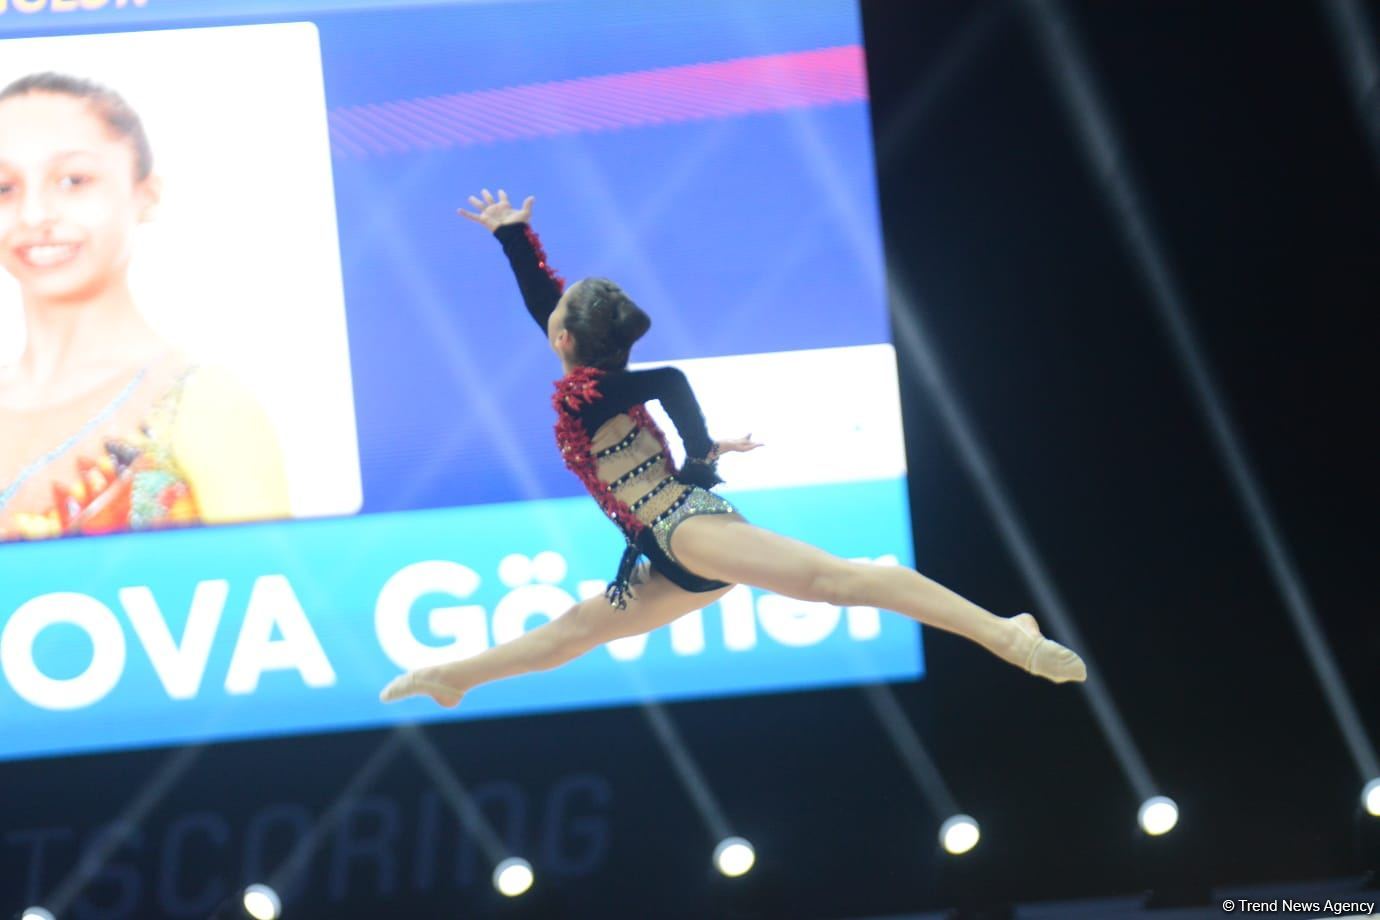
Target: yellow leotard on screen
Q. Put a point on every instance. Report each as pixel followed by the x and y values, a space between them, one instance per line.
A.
pixel 195 446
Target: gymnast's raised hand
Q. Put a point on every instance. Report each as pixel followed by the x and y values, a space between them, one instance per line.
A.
pixel 493 213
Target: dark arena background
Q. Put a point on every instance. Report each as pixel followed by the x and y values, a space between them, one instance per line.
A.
pixel 1128 255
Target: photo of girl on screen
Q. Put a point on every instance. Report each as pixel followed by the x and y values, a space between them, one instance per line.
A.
pixel 105 426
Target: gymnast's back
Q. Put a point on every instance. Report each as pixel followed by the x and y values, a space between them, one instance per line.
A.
pixel 628 450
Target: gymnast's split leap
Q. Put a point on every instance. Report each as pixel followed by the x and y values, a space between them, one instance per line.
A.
pixel 697 546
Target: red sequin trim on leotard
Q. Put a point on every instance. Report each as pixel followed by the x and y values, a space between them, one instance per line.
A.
pixel 537 248
pixel 575 390
pixel 580 388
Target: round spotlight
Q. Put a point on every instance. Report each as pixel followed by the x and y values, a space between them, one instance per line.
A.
pixel 734 856
pixel 959 834
pixel 1158 815
pixel 261 903
pixel 1370 797
pixel 37 913
pixel 513 876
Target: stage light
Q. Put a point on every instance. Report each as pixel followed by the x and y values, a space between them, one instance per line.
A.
pixel 1370 797
pixel 513 876
pixel 959 834
pixel 734 856
pixel 261 903
pixel 1158 815
pixel 37 913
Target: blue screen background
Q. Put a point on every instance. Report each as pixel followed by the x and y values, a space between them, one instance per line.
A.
pixel 739 235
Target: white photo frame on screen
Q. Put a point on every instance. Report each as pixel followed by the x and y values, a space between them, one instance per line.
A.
pixel 241 265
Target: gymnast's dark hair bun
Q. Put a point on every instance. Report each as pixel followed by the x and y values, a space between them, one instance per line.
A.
pixel 605 323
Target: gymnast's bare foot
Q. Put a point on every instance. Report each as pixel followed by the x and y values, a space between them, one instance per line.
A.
pixel 1045 657
pixel 422 682
pixel 1027 622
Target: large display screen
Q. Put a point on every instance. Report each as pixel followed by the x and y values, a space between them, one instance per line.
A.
pixel 274 423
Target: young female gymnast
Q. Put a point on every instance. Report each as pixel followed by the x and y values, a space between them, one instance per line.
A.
pixel 697 545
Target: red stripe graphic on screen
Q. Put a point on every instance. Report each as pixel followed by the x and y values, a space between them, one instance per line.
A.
pixel 666 95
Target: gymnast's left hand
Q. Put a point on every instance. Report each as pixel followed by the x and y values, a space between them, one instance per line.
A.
pixel 732 445
pixel 493 213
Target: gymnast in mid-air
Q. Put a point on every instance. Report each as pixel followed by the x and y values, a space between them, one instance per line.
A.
pixel 696 545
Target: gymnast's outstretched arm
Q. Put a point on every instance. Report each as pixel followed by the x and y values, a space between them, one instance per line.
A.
pixel 669 386
pixel 541 287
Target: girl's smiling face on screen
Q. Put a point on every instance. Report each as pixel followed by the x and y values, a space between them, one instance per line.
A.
pixel 69 197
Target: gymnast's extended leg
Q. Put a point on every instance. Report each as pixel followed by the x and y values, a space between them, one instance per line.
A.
pixel 655 601
pixel 728 548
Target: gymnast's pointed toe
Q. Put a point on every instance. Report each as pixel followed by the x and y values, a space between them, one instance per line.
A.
pixel 396 689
